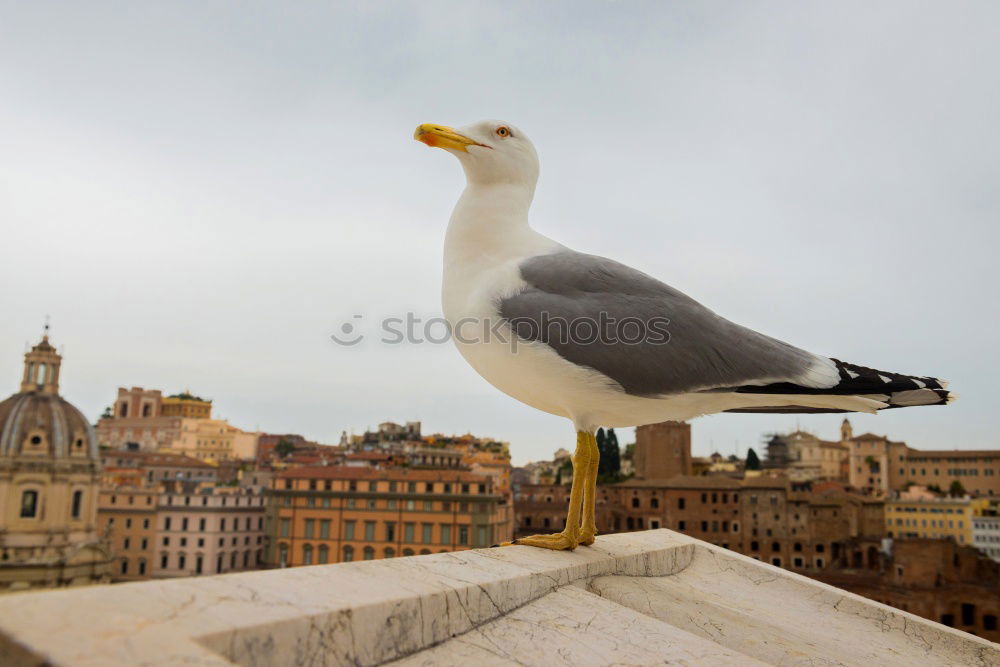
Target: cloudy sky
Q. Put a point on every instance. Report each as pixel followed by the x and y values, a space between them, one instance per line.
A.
pixel 199 194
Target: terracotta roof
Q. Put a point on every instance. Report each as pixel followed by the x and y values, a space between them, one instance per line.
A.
pixel 870 436
pixel 156 459
pixel 765 482
pixel 396 474
pixel 369 456
pixel 949 453
pixel 683 482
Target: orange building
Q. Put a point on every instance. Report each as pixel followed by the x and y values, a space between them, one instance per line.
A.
pixel 329 514
pixel 127 517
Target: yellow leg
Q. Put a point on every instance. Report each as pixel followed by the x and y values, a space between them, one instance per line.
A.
pixel 589 528
pixel 569 538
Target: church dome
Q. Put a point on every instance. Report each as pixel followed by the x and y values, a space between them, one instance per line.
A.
pixel 37 424
pixel 37 421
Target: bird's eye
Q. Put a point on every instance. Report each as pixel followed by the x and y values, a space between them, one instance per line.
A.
pixel 503 131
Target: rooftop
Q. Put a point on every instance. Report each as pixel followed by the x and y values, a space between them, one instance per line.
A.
pixel 406 474
pixel 637 598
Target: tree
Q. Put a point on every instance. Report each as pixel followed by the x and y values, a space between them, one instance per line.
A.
pixel 956 490
pixel 753 463
pixel 614 453
pixel 602 445
pixel 284 448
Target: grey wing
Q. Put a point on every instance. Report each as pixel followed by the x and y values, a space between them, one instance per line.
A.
pixel 683 345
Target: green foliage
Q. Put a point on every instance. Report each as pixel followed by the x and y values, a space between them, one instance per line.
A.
pixel 956 490
pixel 284 448
pixel 753 462
pixel 611 456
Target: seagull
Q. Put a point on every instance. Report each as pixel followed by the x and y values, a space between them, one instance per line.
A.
pixel 602 344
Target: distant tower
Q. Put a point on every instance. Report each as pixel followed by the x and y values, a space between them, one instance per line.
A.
pixel 663 450
pixel 846 431
pixel 49 483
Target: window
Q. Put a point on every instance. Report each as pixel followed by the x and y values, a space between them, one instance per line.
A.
pixel 463 534
pixel 324 554
pixel 324 529
pixel 124 566
pixel 29 504
pixel 286 526
pixel 797 561
pixel 184 524
pixel 989 622
pixel 369 553
pixel 408 530
pixel 389 552
pixel 776 561
pixel 181 561
pixel 445 534
pixel 201 524
pixel 968 614
pixel 126 543
pixel 654 523
pixel 370 533
pixel 307 554
pixel 635 502
pixel 349 530
pixel 142 566
pixel 348 553
pixel 426 532
pixel 390 531
pixel 282 554
pixel 310 525
pixel 76 505
pixel 754 546
pixel 681 525
pixel 163 561
pixel 775 546
pixel 680 503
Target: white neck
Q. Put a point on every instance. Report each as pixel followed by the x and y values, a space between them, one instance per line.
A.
pixel 490 225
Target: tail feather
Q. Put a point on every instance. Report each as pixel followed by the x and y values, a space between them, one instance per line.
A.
pixel 892 390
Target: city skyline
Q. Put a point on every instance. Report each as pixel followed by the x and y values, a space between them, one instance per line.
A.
pixel 196 211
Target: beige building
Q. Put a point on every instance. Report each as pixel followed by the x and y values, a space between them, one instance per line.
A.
pixel 49 479
pixel 209 533
pixel 177 424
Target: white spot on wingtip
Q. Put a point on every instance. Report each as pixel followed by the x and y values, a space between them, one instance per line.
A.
pixel 884 379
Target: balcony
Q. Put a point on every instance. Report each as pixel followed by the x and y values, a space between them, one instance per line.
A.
pixel 637 598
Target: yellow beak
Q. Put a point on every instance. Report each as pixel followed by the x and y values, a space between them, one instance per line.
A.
pixel 439 136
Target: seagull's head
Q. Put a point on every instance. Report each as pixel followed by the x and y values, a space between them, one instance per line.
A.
pixel 491 151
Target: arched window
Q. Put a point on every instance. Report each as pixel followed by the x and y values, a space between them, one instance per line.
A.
pixel 369 553
pixel 307 554
pixel 29 504
pixel 77 504
pixel 124 566
pixel 324 554
pixel 142 566
pixel 232 560
pixel 348 553
pixel 246 559
pixel 390 552
pixel 424 552
pixel 407 552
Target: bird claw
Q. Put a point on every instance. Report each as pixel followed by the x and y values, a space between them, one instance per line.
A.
pixel 557 541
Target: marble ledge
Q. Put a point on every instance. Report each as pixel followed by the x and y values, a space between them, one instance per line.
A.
pixel 639 598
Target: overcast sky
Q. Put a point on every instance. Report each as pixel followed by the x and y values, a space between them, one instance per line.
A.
pixel 199 194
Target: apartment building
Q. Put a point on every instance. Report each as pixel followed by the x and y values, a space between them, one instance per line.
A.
pixel 209 532
pixel 328 514
pixel 928 516
pixel 127 517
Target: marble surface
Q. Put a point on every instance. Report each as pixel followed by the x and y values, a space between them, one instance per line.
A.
pixel 635 598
